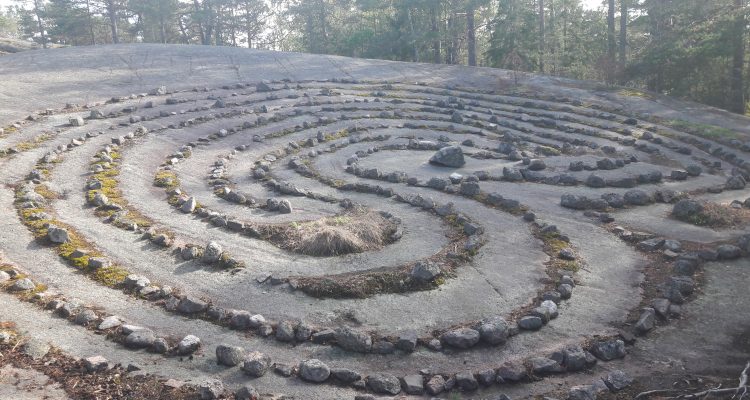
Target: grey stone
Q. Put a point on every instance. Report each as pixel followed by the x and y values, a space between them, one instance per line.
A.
pixel 345 375
pixel 466 381
pixel 582 392
pixel 595 181
pixel 469 189
pixel 728 252
pixel 57 234
pixel 660 307
pixel 383 383
pixel 425 271
pixel 314 370
pixel 95 363
pixel 565 290
pixel 353 340
pixel 285 331
pixel 449 156
pixel 188 345
pixel 109 323
pixel 256 364
pixel 609 349
pixel 22 285
pixel 544 365
pixel 211 389
pixel 383 347
pixel 246 392
pixel 577 359
pixel 212 253
pixel 511 371
pixel 650 244
pixel 413 384
pixel 85 317
pixel 140 339
pixel 462 338
pixel 303 332
pixel 494 330
pixel 435 385
pixel 617 380
pixel 646 322
pixel 191 305
pixel 189 205
pixel 574 202
pixel 686 208
pixel 229 355
pixel 407 341
pixel 637 197
pixel 530 323
pixel 567 254
pixel 160 346
pixel 285 207
pixel 736 182
pixel 537 165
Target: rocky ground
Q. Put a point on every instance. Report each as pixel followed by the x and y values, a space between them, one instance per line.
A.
pixel 195 222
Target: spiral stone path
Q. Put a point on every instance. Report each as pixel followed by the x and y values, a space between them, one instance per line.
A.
pixel 323 227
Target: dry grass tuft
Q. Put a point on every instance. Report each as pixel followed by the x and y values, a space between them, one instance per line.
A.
pixel 352 232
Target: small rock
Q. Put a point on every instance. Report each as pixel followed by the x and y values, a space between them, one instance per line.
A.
pixel 466 381
pixel 609 350
pixel 188 345
pixel 462 338
pixel 211 389
pixel 95 363
pixel 246 392
pixel 383 383
pixel 256 364
pixel 314 370
pixel 229 355
pixel 530 323
pixel 617 380
pixel 22 285
pixel 450 156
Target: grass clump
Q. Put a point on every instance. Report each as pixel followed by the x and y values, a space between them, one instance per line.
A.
pixel 355 231
pixel 703 130
pixel 717 216
pixel 166 179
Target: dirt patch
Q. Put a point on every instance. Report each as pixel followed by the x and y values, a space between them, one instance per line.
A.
pixel 71 375
pixel 719 216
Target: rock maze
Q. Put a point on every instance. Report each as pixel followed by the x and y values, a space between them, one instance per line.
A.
pixel 368 237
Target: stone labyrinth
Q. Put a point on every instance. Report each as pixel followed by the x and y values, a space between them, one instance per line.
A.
pixel 342 237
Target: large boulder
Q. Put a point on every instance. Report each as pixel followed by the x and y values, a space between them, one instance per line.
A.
pixel 450 156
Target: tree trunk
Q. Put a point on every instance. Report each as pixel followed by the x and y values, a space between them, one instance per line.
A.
pixel 541 36
pixel 436 33
pixel 471 39
pixel 40 24
pixel 737 89
pixel 91 22
pixel 611 32
pixel 623 33
pixel 112 11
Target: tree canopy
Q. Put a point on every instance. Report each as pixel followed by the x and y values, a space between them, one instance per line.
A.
pixel 693 49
